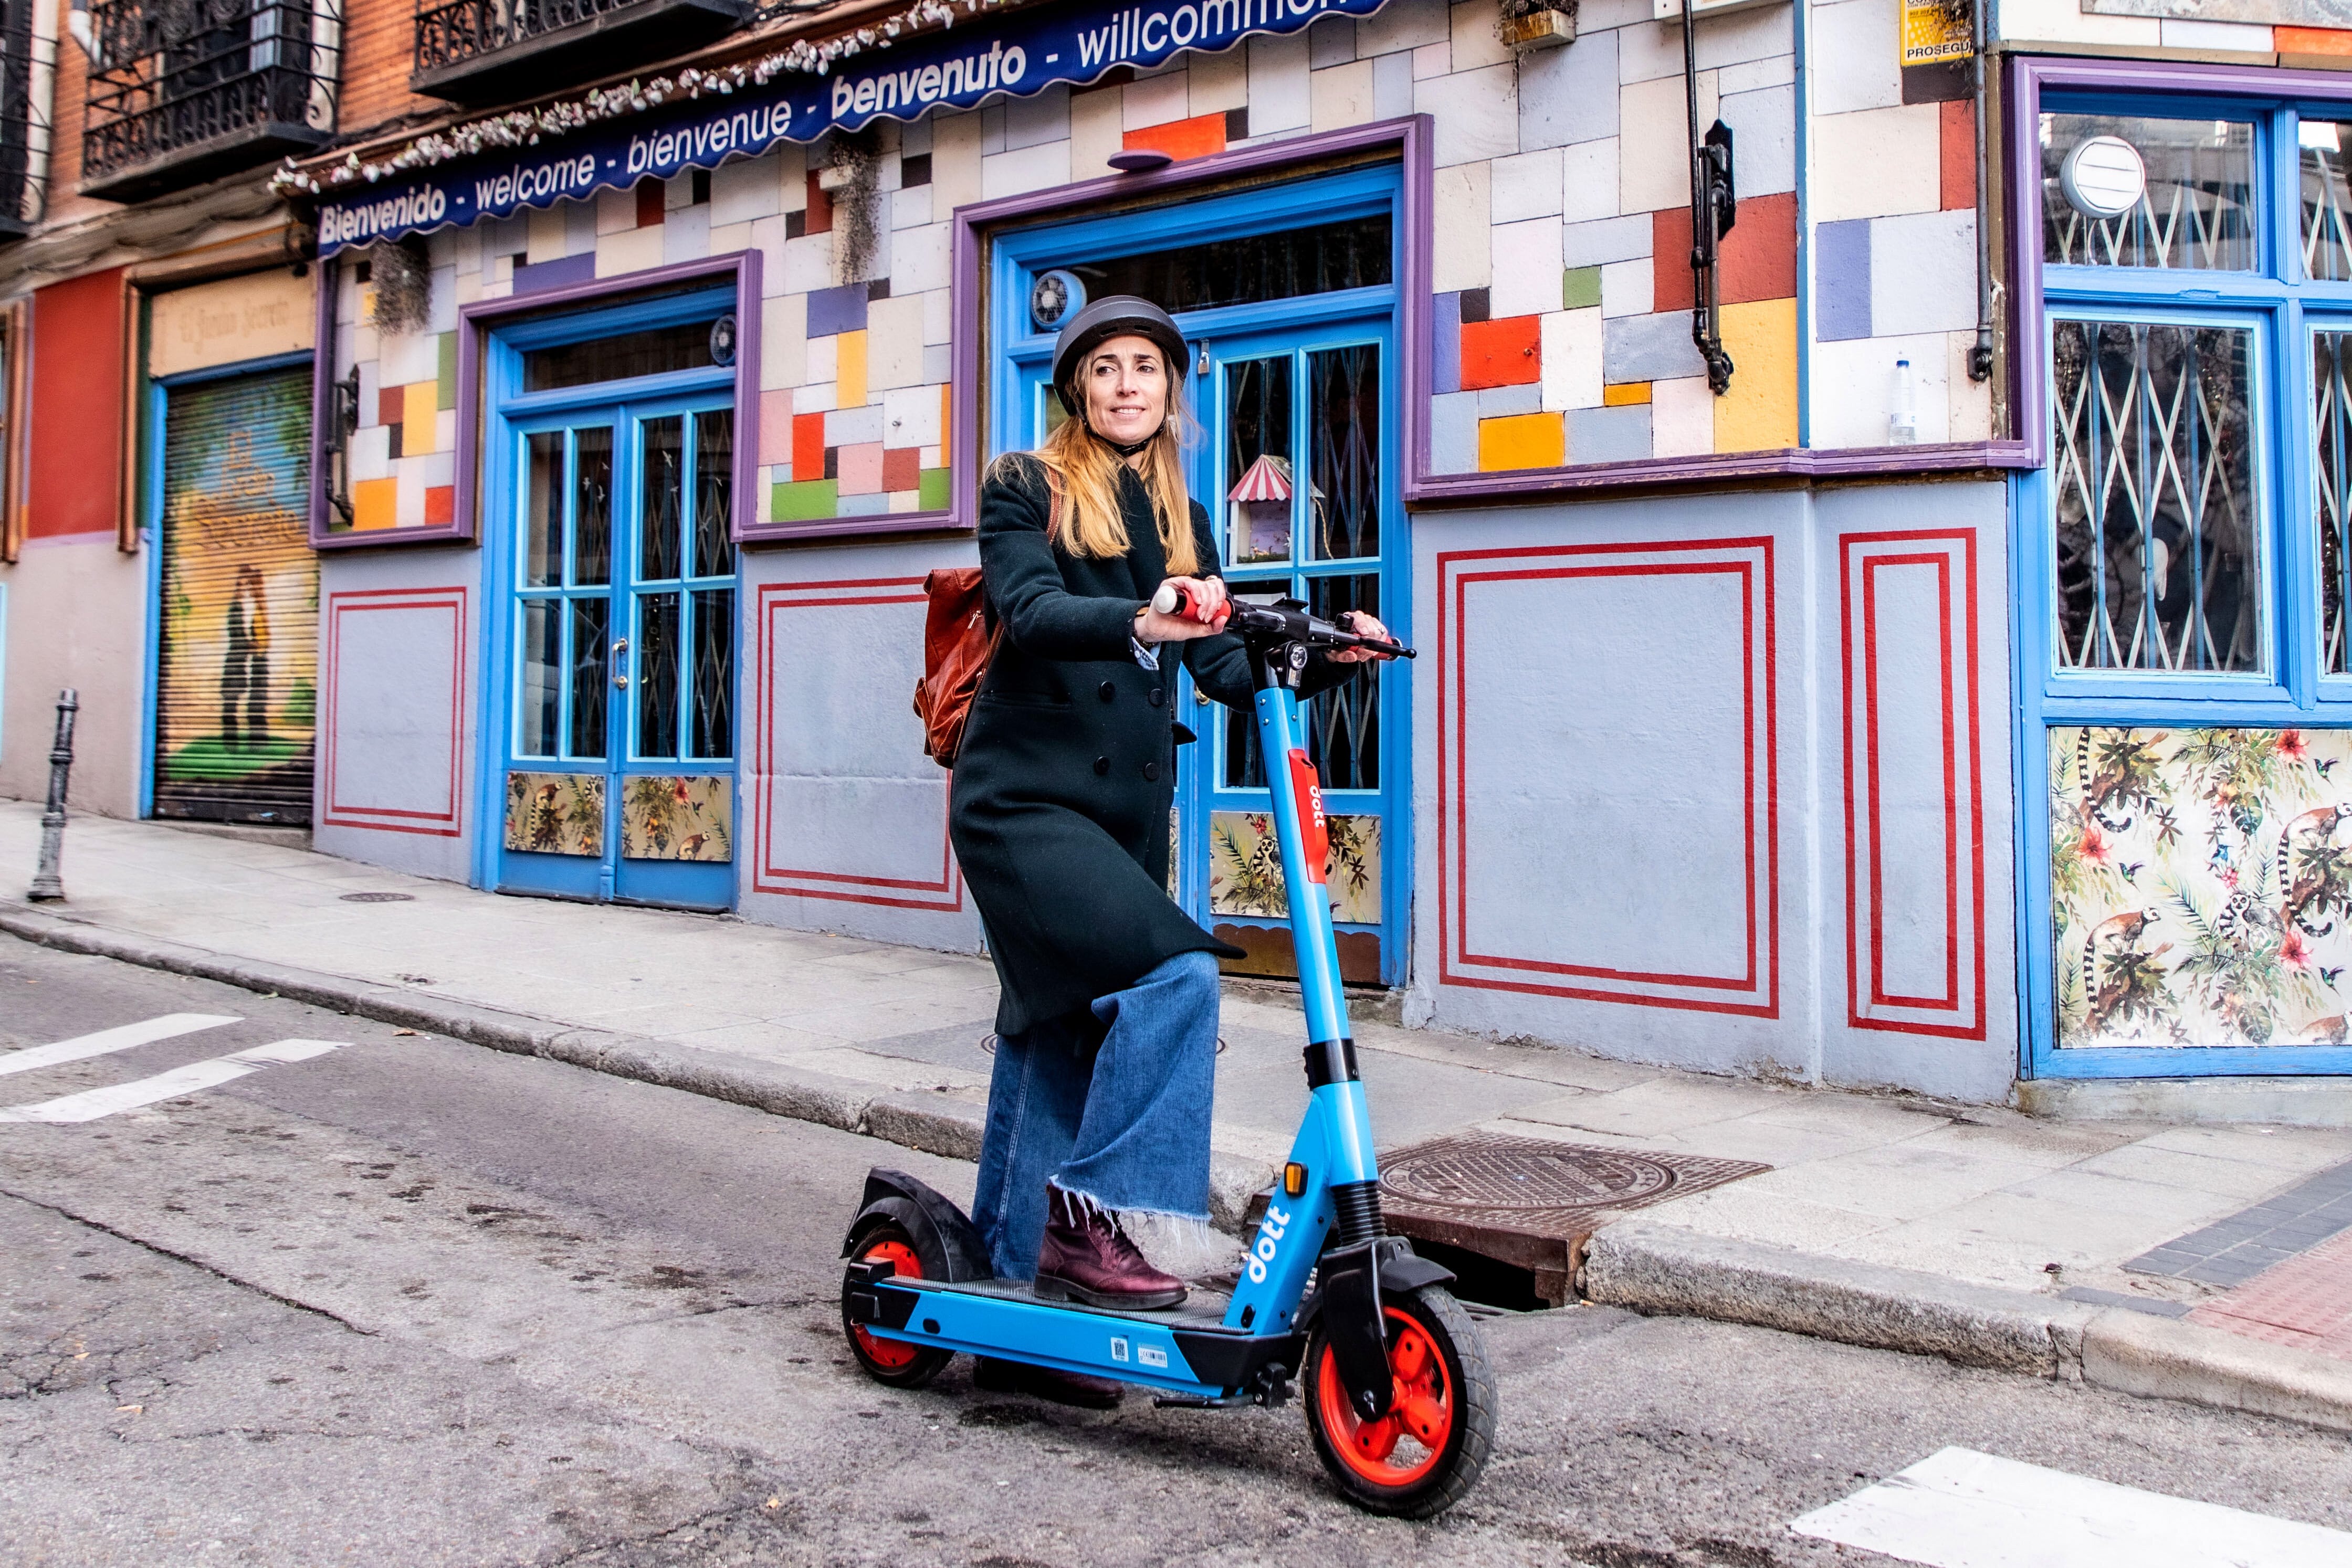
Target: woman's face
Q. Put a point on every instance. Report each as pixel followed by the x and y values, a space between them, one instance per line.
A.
pixel 1127 389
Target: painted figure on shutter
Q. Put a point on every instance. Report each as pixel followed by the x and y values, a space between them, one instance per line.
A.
pixel 244 668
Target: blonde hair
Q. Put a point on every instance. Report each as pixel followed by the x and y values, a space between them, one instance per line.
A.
pixel 1088 468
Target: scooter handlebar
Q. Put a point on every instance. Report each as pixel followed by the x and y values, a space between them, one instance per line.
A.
pixel 1285 619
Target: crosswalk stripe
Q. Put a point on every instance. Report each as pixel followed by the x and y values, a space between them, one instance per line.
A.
pixel 92 1104
pixel 109 1039
pixel 1959 1508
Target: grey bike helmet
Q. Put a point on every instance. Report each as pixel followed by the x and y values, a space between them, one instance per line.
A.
pixel 1117 316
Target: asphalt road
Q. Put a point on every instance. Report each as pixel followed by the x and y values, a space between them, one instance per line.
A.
pixel 414 1301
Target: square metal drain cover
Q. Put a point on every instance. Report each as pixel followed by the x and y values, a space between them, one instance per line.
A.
pixel 1530 1202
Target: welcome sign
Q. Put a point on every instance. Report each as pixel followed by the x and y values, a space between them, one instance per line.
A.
pixel 1023 53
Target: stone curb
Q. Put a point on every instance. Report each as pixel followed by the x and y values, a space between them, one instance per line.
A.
pixel 1661 1269
pixel 934 1125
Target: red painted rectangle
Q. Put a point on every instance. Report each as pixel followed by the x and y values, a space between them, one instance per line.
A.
pixel 1959 1012
pixel 1756 993
pixel 1758 256
pixel 76 412
pixel 1504 354
pixel 944 894
pixel 808 446
pixel 443 820
pixel 1180 139
pixel 1955 131
pixel 653 196
pixel 902 468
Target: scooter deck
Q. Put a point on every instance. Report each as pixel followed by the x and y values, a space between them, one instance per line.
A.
pixel 1200 1310
pixel 1186 1350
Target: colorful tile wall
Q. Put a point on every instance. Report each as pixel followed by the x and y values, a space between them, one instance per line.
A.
pixel 1560 242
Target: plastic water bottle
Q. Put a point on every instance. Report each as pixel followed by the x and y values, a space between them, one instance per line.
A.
pixel 1903 425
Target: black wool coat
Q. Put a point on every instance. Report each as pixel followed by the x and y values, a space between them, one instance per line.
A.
pixel 1059 807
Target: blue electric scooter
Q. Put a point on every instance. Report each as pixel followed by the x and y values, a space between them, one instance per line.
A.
pixel 1398 1394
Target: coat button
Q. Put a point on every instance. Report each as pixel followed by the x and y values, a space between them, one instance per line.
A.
pixel 1156 696
pixel 1102 765
pixel 1109 691
pixel 1152 771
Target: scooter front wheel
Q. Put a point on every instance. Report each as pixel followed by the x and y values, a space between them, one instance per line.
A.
pixel 1426 1453
pixel 890 1360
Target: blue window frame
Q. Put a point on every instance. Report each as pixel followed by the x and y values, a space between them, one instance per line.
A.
pixel 1325 333
pixel 2168 571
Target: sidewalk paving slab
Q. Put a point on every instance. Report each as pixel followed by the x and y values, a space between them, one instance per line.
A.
pixel 1889 1220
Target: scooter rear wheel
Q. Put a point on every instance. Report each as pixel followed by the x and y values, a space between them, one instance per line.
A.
pixel 1427 1452
pixel 890 1360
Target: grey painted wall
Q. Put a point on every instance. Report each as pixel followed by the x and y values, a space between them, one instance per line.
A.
pixel 843 819
pixel 400 668
pixel 1631 775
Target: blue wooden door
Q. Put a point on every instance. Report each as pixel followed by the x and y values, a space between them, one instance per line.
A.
pixel 1286 296
pixel 621 760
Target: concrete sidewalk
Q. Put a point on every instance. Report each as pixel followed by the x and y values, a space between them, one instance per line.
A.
pixel 1972 1232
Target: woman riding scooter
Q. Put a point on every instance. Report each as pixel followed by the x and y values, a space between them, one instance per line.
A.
pixel 1107 1025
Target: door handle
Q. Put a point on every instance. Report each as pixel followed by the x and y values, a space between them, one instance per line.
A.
pixel 622 646
pixel 622 681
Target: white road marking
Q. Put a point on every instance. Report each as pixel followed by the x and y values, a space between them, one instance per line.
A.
pixel 1959 1508
pixel 107 1039
pixel 92 1104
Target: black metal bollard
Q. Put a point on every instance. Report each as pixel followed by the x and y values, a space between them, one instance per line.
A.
pixel 46 885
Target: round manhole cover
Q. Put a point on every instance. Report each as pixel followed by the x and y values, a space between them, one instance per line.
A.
pixel 1463 1175
pixel 379 898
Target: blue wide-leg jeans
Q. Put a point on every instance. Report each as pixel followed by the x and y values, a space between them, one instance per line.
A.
pixel 1124 1123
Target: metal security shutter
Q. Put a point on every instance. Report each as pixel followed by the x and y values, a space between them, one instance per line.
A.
pixel 237 658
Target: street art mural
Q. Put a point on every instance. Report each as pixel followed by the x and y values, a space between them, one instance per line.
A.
pixel 236 696
pixel 2201 886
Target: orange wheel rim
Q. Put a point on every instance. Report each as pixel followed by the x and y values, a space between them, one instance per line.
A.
pixel 889 1354
pixel 1403 1446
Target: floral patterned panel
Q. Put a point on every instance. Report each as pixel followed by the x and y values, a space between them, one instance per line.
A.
pixel 2200 885
pixel 665 817
pixel 1245 867
pixel 556 813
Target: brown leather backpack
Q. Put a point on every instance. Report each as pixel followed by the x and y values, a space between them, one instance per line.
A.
pixel 958 645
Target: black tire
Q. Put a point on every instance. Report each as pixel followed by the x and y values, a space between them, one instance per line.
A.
pixel 1432 1475
pixel 892 1362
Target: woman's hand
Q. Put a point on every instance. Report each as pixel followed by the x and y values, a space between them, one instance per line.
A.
pixel 1362 626
pixel 1210 606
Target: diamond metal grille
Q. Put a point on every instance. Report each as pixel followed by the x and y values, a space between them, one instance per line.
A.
pixel 2327 206
pixel 2158 534
pixel 2198 209
pixel 2331 356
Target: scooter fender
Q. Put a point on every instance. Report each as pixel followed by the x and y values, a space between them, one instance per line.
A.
pixel 945 1239
pixel 1398 1271
pixel 1355 1327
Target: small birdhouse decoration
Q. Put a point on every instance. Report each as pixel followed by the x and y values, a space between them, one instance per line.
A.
pixel 1258 520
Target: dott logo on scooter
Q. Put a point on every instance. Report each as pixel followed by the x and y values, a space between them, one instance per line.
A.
pixel 1269 1232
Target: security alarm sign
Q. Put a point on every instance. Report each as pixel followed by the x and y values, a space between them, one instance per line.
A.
pixel 1935 31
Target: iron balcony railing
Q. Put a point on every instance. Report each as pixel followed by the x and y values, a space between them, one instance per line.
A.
pixel 468 29
pixel 183 90
pixel 482 51
pixel 20 200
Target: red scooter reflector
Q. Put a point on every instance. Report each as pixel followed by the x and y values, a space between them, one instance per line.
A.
pixel 1314 833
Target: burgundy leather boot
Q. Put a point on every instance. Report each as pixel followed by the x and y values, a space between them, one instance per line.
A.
pixel 1087 1258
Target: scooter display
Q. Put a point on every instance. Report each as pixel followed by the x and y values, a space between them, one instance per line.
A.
pixel 1399 1398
